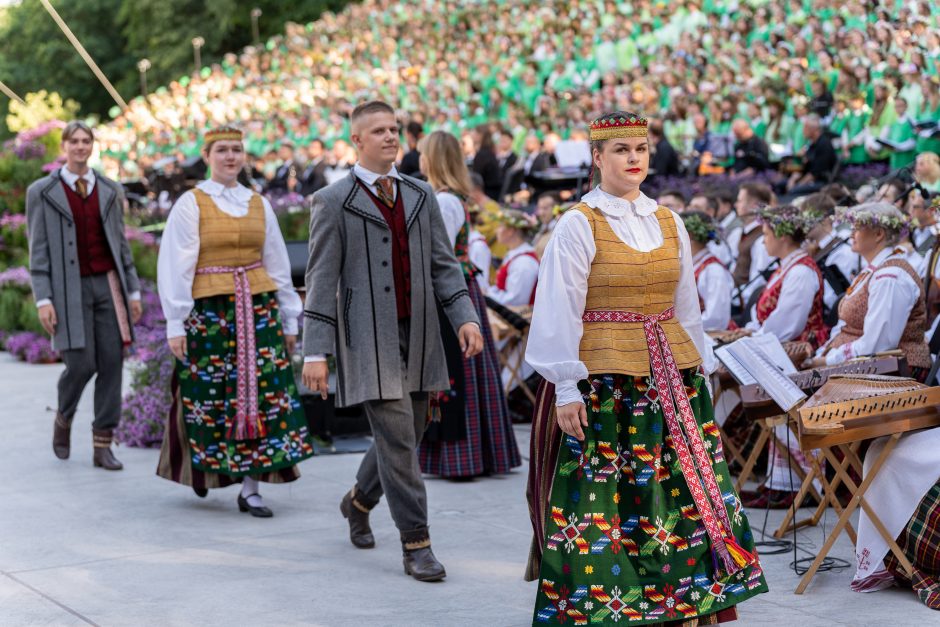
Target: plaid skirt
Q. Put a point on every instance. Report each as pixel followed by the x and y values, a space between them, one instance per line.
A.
pixel 488 445
pixel 200 439
pixel 920 542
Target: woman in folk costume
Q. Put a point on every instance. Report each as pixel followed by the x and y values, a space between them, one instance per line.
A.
pixel 519 271
pixel 634 511
pixel 884 307
pixel 470 433
pixel 790 308
pixel 712 280
pixel 231 309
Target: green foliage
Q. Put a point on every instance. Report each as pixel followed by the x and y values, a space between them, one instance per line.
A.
pixel 40 107
pixel 15 176
pixel 34 53
pixel 17 310
pixel 145 260
pixel 295 226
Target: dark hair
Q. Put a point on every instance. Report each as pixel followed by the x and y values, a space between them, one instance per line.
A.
pixel 317 140
pixel 367 108
pixel 486 137
pixel 476 180
pixel 674 192
pixel 710 199
pixel 73 127
pixel 415 129
pixel 839 194
pixel 759 192
pixel 655 128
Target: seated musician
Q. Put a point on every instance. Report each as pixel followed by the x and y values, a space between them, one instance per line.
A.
pixel 884 307
pixel 830 249
pixel 713 280
pixel 791 306
pixel 517 275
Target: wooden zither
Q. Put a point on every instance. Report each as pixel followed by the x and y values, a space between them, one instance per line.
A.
pixel 856 407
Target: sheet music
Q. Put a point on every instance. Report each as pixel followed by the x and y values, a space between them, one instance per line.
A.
pixel 764 371
pixel 773 349
pixel 736 368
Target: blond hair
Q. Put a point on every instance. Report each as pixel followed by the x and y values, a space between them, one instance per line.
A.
pixel 446 168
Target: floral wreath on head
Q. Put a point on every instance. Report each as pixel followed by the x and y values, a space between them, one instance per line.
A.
pixel 896 223
pixel 517 219
pixel 557 210
pixel 699 229
pixel 788 219
pixel 935 204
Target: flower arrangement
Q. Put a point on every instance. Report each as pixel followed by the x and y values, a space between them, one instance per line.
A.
pixel 701 228
pixel 517 219
pixel 894 222
pixel 788 220
pixel 30 347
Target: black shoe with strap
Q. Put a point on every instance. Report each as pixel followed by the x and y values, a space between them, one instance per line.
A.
pixel 354 511
pixel 103 457
pixel 257 512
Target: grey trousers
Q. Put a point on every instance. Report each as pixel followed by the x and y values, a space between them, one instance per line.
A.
pixel 103 355
pixel 391 465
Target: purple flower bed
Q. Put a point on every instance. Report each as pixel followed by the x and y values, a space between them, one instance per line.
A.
pixel 15 276
pixel 31 347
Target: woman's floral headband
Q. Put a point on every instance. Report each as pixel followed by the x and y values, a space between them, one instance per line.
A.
pixel 517 219
pixel 699 228
pixel 787 220
pixel 896 223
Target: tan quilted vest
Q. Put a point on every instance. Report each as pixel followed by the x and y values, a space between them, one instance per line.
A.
pixel 625 279
pixel 228 241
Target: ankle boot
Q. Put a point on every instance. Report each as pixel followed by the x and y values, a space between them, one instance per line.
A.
pixel 357 513
pixel 62 436
pixel 417 557
pixel 103 457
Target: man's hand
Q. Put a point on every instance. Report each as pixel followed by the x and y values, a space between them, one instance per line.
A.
pixel 316 376
pixel 137 310
pixel 572 419
pixel 814 362
pixel 178 347
pixel 290 343
pixel 47 318
pixel 471 340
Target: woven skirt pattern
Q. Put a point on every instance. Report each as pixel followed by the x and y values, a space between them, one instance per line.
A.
pixel 920 542
pixel 490 443
pixel 208 384
pixel 624 541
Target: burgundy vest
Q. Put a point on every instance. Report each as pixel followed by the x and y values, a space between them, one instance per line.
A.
pixel 94 254
pixel 401 262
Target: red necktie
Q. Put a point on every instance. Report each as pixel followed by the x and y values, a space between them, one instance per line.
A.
pixel 385 191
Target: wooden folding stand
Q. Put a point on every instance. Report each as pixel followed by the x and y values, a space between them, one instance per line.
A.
pixel 843 426
pixel 510 327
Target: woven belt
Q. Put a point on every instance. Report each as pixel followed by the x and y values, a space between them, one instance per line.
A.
pixel 696 464
pixel 248 424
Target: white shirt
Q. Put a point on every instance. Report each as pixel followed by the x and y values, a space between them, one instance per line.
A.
pixel 520 279
pixel 71 179
pixel 921 234
pixel 369 178
pixel 481 257
pixel 797 293
pixel 726 248
pixel 179 253
pixel 892 294
pixel 760 260
pixel 453 213
pixel 715 285
pixel 555 334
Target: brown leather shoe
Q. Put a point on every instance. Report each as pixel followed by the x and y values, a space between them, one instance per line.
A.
pixel 360 533
pixel 62 436
pixel 103 457
pixel 422 565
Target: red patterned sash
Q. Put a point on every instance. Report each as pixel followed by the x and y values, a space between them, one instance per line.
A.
pixel 247 425
pixel 696 464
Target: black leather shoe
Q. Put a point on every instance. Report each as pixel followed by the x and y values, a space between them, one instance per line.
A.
pixel 360 533
pixel 422 565
pixel 102 456
pixel 257 512
pixel 201 492
pixel 62 436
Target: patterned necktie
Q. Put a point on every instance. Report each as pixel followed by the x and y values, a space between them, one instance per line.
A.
pixel 385 191
pixel 81 187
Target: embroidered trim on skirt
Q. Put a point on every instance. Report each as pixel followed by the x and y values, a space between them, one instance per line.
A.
pixel 623 538
pixel 205 399
pixel 489 444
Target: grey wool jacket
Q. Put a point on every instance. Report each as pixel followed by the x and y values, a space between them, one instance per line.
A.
pixel 350 310
pixel 53 254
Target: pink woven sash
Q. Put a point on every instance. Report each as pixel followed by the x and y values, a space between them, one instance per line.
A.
pixel 696 464
pixel 120 309
pixel 248 424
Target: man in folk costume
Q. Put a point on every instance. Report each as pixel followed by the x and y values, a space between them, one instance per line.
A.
pixel 85 286
pixel 634 512
pixel 380 260
pixel 712 279
pixel 752 258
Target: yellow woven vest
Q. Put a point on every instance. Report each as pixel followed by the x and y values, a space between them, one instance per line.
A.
pixel 228 241
pixel 625 279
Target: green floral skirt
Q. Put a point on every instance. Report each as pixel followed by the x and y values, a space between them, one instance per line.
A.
pixel 624 541
pixel 207 388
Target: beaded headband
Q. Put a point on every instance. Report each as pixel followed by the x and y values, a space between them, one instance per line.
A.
pixel 217 136
pixel 618 127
